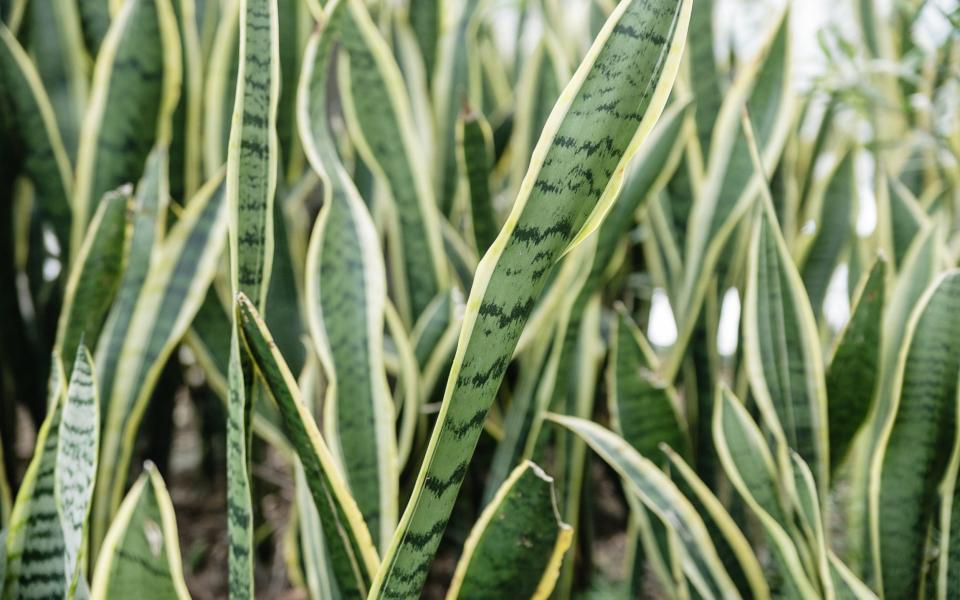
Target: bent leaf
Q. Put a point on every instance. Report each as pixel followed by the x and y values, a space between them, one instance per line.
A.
pixel 352 554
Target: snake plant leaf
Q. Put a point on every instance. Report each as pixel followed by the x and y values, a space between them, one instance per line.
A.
pixel 541 81
pixel 172 292
pixel 56 43
pixel 946 577
pixel 250 186
pixel 76 464
pixel 475 147
pixel 730 538
pixel 704 76
pixel 96 274
pixel 853 370
pixel 220 87
pixel 912 453
pixel 750 466
pixel 140 556
pixel 906 218
pixel 920 267
pixel 408 389
pixel 731 183
pixel 659 494
pixel 426 20
pixel 25 105
pixel 185 144
pixel 644 411
pixel 455 77
pixel 846 585
pixel 346 296
pixel 352 554
pixel 807 507
pixel 782 348
pixel 575 174
pixel 34 543
pixel 516 546
pixel 136 84
pixel 835 226
pixel 95 19
pixel 649 171
pixel 149 219
pixel 380 120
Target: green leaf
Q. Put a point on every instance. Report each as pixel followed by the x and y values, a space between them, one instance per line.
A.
pixel 136 83
pixel 56 43
pixel 575 174
pixel 346 296
pixel 704 76
pixel 475 148
pixel 250 186
pixel 140 556
pixel 171 294
pixel 905 217
pixel 95 18
pixel 24 105
pixel 149 219
pixel 76 465
pixel 380 121
pixel 644 410
pixel 728 535
pixel 750 466
pixel 352 554
pixel 517 543
pixel 643 479
pixel 426 20
pixel 731 182
pixel 782 348
pixel 846 586
pixel 96 274
pixel 456 77
pixel 34 543
pixel 835 227
pixel 913 450
pixel 853 371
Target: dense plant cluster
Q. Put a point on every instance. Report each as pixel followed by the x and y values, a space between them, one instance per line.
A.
pixel 483 302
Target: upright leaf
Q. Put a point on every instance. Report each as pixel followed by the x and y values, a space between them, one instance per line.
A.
pixel 517 543
pixel 34 543
pixel 96 274
pixel 475 147
pixel 172 292
pixel 380 120
pixel 346 296
pixel 251 183
pixel 782 348
pixel 140 556
pixel 749 464
pixel 136 83
pixel 76 467
pixel 606 111
pixel 912 454
pixel 854 368
pixel 25 107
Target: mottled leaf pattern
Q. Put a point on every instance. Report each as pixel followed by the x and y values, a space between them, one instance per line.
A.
pixel 517 543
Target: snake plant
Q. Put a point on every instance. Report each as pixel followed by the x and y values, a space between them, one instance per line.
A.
pixel 534 299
